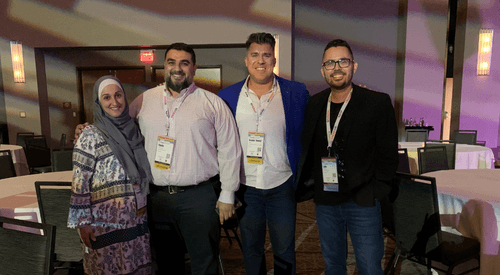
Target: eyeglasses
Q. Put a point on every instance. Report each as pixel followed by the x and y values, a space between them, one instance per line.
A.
pixel 343 63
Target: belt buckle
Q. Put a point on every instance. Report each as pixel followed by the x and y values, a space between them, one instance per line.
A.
pixel 172 189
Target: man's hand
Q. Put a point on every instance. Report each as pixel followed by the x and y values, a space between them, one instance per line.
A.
pixel 226 211
pixel 79 130
pixel 87 234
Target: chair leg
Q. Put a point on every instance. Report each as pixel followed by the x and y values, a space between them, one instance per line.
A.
pixel 221 265
pixel 228 236
pixel 237 238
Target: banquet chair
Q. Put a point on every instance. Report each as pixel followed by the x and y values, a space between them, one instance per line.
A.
pixel 39 159
pixel 404 164
pixel 465 136
pixel 417 135
pixel 432 159
pixel 62 141
pixel 24 252
pixel 62 160
pixel 481 142
pixel 20 138
pixel 7 169
pixel 53 202
pixel 231 224
pixel 419 237
pixel 451 148
pixel 38 140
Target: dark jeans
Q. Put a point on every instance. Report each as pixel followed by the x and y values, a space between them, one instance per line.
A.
pixel 365 229
pixel 186 220
pixel 277 208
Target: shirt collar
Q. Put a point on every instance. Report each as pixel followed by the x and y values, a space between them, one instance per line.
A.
pixel 274 87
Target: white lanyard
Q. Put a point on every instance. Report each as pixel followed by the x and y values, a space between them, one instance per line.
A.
pixel 330 134
pixel 176 106
pixel 262 106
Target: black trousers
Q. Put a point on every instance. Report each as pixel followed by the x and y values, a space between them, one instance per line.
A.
pixel 185 221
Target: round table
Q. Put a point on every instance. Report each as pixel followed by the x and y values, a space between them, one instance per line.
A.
pixel 466 156
pixel 469 202
pixel 18 157
pixel 18 196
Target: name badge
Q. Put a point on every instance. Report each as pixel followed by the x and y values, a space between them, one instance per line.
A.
pixel 164 151
pixel 255 147
pixel 330 176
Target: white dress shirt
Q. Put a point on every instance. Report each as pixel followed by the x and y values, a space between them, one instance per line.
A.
pixel 205 133
pixel 275 168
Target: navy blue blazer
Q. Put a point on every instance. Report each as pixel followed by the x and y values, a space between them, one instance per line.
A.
pixel 295 96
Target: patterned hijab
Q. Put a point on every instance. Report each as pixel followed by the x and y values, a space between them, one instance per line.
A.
pixel 123 136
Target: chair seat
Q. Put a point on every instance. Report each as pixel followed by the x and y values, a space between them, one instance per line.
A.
pixel 454 249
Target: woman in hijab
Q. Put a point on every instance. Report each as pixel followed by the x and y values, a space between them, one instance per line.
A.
pixel 111 177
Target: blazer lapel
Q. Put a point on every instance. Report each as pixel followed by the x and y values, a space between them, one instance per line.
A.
pixel 352 111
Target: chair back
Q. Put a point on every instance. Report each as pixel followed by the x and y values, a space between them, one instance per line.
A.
pixel 432 159
pixel 38 158
pixel 53 201
pixel 416 214
pixel 404 164
pixel 26 253
pixel 62 160
pixel 20 138
pixel 62 142
pixel 481 142
pixel 39 141
pixel 451 148
pixel 465 136
pixel 7 168
pixel 417 135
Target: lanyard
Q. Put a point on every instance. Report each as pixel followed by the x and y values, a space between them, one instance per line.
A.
pixel 176 106
pixel 330 134
pixel 263 107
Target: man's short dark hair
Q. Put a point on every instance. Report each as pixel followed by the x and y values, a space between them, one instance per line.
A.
pixel 338 43
pixel 182 47
pixel 260 38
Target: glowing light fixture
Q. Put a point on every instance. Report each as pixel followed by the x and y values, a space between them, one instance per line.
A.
pixel 16 50
pixel 484 51
pixel 276 69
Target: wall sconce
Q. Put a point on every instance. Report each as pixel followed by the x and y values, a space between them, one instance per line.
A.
pixel 16 50
pixel 276 69
pixel 484 51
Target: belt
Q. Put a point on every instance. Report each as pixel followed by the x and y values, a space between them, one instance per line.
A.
pixel 172 189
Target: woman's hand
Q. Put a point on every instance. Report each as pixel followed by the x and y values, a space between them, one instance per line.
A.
pixel 86 234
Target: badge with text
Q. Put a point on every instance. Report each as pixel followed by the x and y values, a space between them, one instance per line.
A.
pixel 330 176
pixel 164 150
pixel 255 147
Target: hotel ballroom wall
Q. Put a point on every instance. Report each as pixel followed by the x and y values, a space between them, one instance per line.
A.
pixel 400 52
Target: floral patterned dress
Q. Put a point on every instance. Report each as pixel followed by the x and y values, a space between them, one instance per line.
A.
pixel 104 198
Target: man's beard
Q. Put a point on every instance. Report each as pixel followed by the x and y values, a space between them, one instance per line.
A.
pixel 176 87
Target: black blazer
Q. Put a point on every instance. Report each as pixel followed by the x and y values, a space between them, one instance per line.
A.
pixel 370 142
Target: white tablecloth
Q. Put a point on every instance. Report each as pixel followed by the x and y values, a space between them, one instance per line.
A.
pixel 18 157
pixel 466 156
pixel 18 196
pixel 469 203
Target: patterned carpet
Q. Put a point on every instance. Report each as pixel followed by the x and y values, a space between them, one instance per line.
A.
pixel 308 251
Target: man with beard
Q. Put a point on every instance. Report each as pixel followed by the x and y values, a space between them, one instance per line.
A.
pixel 269 114
pixel 352 162
pixel 194 152
pixel 190 136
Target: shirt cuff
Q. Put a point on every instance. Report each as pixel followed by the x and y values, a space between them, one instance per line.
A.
pixel 226 197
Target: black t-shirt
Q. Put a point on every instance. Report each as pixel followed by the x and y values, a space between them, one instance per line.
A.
pixel 319 149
